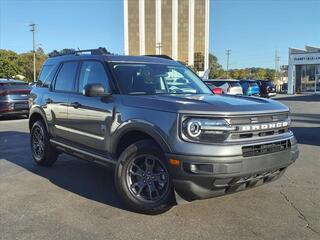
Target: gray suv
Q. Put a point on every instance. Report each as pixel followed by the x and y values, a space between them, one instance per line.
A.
pixel 166 141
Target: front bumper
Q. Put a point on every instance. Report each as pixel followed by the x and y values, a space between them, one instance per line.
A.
pixel 217 176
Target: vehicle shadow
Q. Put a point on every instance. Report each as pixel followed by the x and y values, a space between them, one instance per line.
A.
pixel 307 135
pixel 13 117
pixel 86 179
pixel 301 98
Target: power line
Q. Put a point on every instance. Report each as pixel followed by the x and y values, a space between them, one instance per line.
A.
pixel 33 29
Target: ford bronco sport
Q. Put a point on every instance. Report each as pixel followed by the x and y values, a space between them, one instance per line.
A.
pixel 166 134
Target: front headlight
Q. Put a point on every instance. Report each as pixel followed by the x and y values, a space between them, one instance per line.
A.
pixel 210 130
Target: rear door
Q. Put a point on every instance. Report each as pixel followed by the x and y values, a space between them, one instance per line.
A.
pixel 90 118
pixel 56 100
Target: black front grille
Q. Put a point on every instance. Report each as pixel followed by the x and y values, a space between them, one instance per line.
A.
pixel 259 118
pixel 256 150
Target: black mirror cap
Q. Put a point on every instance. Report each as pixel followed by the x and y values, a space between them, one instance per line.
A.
pixel 95 90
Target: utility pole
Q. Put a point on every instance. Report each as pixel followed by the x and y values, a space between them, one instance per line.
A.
pixel 228 53
pixel 276 64
pixel 33 29
pixel 158 47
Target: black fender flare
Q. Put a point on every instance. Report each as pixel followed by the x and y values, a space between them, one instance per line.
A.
pixel 38 110
pixel 141 126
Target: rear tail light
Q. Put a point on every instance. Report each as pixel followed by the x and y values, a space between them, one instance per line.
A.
pixel 16 91
pixel 217 91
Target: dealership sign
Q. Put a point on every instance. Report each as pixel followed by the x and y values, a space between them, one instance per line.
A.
pixel 310 58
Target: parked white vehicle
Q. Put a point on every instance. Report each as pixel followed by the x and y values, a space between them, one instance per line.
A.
pixel 228 86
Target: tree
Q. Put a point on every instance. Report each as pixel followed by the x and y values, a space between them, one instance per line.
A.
pixel 215 68
pixel 9 66
pixel 12 64
pixel 26 62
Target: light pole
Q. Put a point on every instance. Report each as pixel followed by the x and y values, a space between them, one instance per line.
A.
pixel 33 29
pixel 159 47
pixel 228 53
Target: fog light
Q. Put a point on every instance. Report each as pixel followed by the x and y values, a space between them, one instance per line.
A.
pixel 193 168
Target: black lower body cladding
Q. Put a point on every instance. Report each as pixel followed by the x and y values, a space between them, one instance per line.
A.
pixel 201 177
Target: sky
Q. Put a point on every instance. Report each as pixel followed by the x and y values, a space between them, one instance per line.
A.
pixel 252 29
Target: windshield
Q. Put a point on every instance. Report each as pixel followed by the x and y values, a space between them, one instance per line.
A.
pixel 270 84
pixel 149 78
pixel 235 84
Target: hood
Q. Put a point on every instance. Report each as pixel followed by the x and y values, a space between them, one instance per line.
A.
pixel 205 104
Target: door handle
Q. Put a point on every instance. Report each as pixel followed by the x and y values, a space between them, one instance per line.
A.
pixel 75 105
pixel 48 100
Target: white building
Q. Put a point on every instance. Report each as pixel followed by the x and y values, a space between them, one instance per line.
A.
pixel 304 70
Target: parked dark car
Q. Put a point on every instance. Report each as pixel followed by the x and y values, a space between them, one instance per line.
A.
pixel 250 87
pixel 267 88
pixel 14 97
pixel 159 126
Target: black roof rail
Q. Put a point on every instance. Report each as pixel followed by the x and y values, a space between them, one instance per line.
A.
pixel 160 56
pixel 97 51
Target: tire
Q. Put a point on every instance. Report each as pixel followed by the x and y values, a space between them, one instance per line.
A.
pixel 42 151
pixel 141 171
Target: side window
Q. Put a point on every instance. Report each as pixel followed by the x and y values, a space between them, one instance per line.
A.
pixel 66 77
pixel 92 72
pixel 45 76
pixel 44 72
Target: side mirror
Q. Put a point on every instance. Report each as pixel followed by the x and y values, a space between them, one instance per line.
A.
pixel 94 90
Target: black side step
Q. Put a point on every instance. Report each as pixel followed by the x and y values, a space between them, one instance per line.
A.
pixel 82 153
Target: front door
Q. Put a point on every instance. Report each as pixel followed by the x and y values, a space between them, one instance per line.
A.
pixel 90 118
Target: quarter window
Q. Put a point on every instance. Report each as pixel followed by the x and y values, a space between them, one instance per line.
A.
pixel 92 72
pixel 66 77
pixel 44 75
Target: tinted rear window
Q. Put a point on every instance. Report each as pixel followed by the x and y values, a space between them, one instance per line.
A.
pixel 234 84
pixel 66 77
pixel 14 91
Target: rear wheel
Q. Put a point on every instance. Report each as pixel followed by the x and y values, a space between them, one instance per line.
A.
pixel 42 151
pixel 142 178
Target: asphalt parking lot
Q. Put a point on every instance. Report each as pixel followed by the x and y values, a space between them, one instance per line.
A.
pixel 76 199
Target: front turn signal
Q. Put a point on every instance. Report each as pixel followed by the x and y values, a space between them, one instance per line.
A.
pixel 174 162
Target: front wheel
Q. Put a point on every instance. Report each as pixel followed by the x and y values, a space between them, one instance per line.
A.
pixel 142 178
